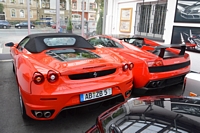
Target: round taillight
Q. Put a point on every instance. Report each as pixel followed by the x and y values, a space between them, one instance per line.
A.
pixel 38 78
pixel 131 66
pixel 125 67
pixel 52 76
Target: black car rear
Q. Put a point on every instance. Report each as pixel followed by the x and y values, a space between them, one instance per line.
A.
pixel 4 24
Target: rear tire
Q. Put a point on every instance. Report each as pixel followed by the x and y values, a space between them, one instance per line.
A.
pixel 13 69
pixel 5 27
pixel 22 107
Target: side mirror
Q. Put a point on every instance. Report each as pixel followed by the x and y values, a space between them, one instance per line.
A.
pixel 10 44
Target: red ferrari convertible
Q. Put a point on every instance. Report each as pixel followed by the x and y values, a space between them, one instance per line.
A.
pixel 58 71
pixel 155 66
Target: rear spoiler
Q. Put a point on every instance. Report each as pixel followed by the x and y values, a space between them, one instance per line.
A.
pixel 162 48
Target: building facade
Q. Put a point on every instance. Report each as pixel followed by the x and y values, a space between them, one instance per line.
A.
pixel 16 10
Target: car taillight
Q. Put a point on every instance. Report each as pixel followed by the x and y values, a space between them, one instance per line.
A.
pixel 125 67
pixel 38 78
pixel 52 76
pixel 155 63
pixel 130 66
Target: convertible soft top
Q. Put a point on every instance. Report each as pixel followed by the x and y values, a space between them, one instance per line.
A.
pixel 36 42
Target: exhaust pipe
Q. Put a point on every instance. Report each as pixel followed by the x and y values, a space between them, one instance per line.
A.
pixel 47 114
pixel 38 114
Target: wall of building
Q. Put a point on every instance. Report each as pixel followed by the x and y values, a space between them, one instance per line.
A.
pixel 17 6
pixel 113 21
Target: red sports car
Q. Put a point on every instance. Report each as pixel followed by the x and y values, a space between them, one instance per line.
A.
pixel 155 66
pixel 57 71
pixel 155 114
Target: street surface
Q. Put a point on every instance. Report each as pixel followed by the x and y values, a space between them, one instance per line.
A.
pixel 72 121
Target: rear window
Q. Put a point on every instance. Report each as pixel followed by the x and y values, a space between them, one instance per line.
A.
pixel 60 41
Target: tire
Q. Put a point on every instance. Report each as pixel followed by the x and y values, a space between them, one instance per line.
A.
pixel 19 27
pixel 32 27
pixel 22 107
pixel 5 27
pixel 13 69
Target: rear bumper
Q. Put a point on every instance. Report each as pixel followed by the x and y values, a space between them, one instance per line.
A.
pixel 55 102
pixel 162 83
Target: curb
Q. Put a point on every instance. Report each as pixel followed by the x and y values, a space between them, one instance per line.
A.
pixel 6 60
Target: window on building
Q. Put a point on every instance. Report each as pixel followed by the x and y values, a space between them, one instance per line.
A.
pixel 74 4
pixel 12 1
pixel 45 4
pixel 150 19
pixel 13 13
pixel 21 1
pixel 62 4
pixel 2 0
pixel 92 6
pixel 84 5
pixel 21 14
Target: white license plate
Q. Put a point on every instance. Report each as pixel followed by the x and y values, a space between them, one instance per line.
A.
pixel 94 95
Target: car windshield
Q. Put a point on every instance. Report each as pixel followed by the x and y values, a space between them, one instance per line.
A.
pixel 60 41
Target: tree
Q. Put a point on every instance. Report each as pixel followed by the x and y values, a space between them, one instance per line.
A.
pixel 100 23
pixel 1 7
pixel 100 6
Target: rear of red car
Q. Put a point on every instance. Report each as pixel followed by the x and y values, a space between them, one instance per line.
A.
pixel 157 66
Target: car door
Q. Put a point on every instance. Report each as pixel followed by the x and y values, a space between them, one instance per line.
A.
pixel 17 53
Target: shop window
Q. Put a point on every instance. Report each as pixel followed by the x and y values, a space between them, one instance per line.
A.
pixel 21 14
pixel 150 20
pixel 13 14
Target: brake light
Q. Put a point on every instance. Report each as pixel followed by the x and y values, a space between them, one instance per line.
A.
pixel 131 66
pixel 125 67
pixel 52 76
pixel 38 78
pixel 155 63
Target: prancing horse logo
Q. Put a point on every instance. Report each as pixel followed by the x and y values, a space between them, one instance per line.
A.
pixel 95 74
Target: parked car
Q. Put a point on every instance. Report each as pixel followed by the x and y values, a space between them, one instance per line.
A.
pixel 153 114
pixel 59 71
pixel 155 66
pixel 4 24
pixel 62 25
pixel 191 86
pixel 24 25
